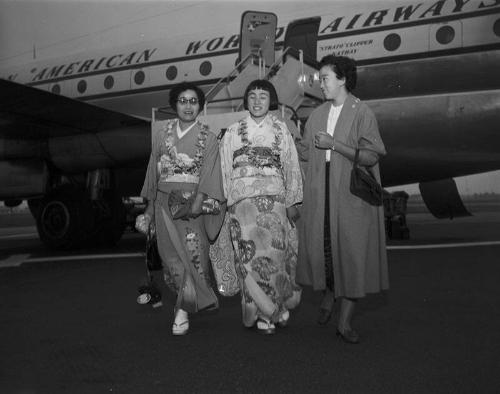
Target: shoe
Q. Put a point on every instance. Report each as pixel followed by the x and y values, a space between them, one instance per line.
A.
pixel 324 316
pixel 181 323
pixel 284 318
pixel 349 336
pixel 265 327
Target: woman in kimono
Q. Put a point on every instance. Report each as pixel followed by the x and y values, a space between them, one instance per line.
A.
pixel 262 185
pixel 183 172
pixel 343 239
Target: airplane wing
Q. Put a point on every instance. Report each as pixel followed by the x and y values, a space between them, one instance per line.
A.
pixel 72 160
pixel 27 112
pixel 69 136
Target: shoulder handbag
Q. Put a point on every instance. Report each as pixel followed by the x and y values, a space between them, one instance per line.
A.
pixel 364 185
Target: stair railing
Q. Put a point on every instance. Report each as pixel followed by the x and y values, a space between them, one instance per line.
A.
pixel 224 80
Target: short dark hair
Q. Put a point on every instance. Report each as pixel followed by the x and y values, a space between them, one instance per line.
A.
pixel 263 85
pixel 343 67
pixel 182 87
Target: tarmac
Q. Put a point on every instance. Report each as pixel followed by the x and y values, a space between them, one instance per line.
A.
pixel 69 323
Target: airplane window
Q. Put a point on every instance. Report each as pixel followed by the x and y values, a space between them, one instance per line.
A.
pixel 109 81
pixel 82 86
pixel 205 68
pixel 171 73
pixel 392 42
pixel 445 35
pixel 496 28
pixel 139 77
pixel 56 89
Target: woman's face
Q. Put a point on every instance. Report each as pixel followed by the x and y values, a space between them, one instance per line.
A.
pixel 258 101
pixel 188 106
pixel 330 85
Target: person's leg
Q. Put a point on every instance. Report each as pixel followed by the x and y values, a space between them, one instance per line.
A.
pixel 328 300
pixel 347 306
pixel 327 303
pixel 344 329
pixel 248 311
pixel 173 269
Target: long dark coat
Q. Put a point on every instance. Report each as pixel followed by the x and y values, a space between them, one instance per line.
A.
pixel 357 228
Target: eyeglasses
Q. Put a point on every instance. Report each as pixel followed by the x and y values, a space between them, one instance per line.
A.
pixel 184 100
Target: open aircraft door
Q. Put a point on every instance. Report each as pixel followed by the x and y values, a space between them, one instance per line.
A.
pixel 296 80
pixel 258 33
pixel 303 34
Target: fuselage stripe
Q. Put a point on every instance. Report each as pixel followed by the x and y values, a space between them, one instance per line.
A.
pixel 323 37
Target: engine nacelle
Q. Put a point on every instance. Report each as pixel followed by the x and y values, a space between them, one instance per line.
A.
pixel 22 179
pixel 442 199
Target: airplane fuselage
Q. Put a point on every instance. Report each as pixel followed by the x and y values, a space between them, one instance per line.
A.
pixel 428 70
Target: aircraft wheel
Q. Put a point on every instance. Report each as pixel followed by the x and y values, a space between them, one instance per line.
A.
pixel 64 218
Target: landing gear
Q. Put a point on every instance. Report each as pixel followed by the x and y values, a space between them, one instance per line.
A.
pixel 395 215
pixel 64 218
pixel 68 219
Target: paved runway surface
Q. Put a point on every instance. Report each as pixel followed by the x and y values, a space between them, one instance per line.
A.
pixel 71 325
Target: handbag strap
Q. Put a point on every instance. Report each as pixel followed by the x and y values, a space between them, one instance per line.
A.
pixel 356 158
pixel 368 170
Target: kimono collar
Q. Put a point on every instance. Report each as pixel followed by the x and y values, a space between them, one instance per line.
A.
pixel 182 133
pixel 261 123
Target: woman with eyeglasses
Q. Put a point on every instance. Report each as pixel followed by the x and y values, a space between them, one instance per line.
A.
pixel 182 185
pixel 262 185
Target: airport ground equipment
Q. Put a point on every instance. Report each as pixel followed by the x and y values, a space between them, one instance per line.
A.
pixel 395 208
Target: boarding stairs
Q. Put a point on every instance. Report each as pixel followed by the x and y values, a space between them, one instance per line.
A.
pixel 294 73
pixel 295 82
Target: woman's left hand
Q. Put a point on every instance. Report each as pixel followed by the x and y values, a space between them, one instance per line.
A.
pixel 323 140
pixel 293 214
pixel 196 206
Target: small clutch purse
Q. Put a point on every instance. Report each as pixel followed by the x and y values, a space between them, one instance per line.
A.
pixel 179 203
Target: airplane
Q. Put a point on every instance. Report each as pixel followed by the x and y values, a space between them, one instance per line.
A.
pixel 75 131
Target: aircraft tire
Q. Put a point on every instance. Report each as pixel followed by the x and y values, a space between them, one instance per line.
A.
pixel 64 218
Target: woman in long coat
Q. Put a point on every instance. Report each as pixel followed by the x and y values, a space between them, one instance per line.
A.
pixel 183 171
pixel 342 249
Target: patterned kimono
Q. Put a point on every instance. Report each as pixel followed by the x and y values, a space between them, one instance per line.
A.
pixel 178 168
pixel 261 178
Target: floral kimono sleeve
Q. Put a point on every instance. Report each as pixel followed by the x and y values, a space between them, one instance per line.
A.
pixel 291 170
pixel 210 172
pixel 226 159
pixel 151 180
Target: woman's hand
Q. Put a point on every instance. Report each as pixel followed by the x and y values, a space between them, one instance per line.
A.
pixel 142 223
pixel 323 140
pixel 196 206
pixel 293 214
